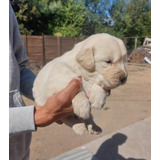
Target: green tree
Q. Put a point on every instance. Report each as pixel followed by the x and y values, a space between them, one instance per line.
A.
pixel 130 19
pixel 138 18
pixel 55 17
pixel 97 20
pixel 117 13
pixel 69 19
pixel 31 16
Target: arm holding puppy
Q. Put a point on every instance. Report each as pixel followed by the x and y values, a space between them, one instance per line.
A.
pixel 58 106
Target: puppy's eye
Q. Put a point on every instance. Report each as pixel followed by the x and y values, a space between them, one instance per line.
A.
pixel 108 61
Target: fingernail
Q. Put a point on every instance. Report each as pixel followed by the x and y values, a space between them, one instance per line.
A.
pixel 79 78
pixel 88 95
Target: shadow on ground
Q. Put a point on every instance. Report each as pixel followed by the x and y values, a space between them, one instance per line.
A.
pixel 109 149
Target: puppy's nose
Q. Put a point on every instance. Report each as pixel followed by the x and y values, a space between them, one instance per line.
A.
pixel 123 79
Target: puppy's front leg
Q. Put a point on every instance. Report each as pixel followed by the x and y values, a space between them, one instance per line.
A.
pixel 81 105
pixel 97 96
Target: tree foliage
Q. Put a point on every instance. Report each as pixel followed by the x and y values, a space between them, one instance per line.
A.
pixel 97 20
pixel 131 19
pixel 31 16
pixel 68 19
pixel 77 18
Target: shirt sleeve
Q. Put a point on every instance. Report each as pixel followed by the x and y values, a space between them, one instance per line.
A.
pixel 21 119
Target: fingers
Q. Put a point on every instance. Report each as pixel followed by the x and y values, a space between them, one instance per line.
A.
pixel 68 108
pixel 59 121
pixel 79 78
pixel 66 112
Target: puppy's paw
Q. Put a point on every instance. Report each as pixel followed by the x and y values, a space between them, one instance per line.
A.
pixel 94 129
pixel 79 128
pixel 97 97
pixel 97 101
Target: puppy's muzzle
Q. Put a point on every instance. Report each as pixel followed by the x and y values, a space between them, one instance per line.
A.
pixel 123 79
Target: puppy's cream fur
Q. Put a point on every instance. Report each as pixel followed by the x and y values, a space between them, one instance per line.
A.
pixel 99 59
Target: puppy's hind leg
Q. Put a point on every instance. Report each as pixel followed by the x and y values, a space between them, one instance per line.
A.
pixel 76 124
pixel 92 127
pixel 81 105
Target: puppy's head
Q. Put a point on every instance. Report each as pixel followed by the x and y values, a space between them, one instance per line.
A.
pixel 104 55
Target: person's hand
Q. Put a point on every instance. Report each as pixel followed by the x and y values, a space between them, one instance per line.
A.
pixel 58 106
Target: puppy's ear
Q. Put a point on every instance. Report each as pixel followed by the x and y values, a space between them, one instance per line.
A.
pixel 86 59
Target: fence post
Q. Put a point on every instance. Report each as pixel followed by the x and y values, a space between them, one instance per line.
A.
pixel 25 44
pixel 75 40
pixel 43 49
pixel 135 46
pixel 59 45
pixel 125 42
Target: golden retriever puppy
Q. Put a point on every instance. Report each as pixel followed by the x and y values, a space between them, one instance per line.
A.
pixel 99 60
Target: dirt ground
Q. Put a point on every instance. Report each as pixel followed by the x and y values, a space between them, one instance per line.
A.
pixel 127 104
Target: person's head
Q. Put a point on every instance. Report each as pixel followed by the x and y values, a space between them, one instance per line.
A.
pixel 119 138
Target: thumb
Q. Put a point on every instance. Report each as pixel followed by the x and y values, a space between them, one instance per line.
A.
pixel 72 89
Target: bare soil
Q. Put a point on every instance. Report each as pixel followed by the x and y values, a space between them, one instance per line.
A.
pixel 126 105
